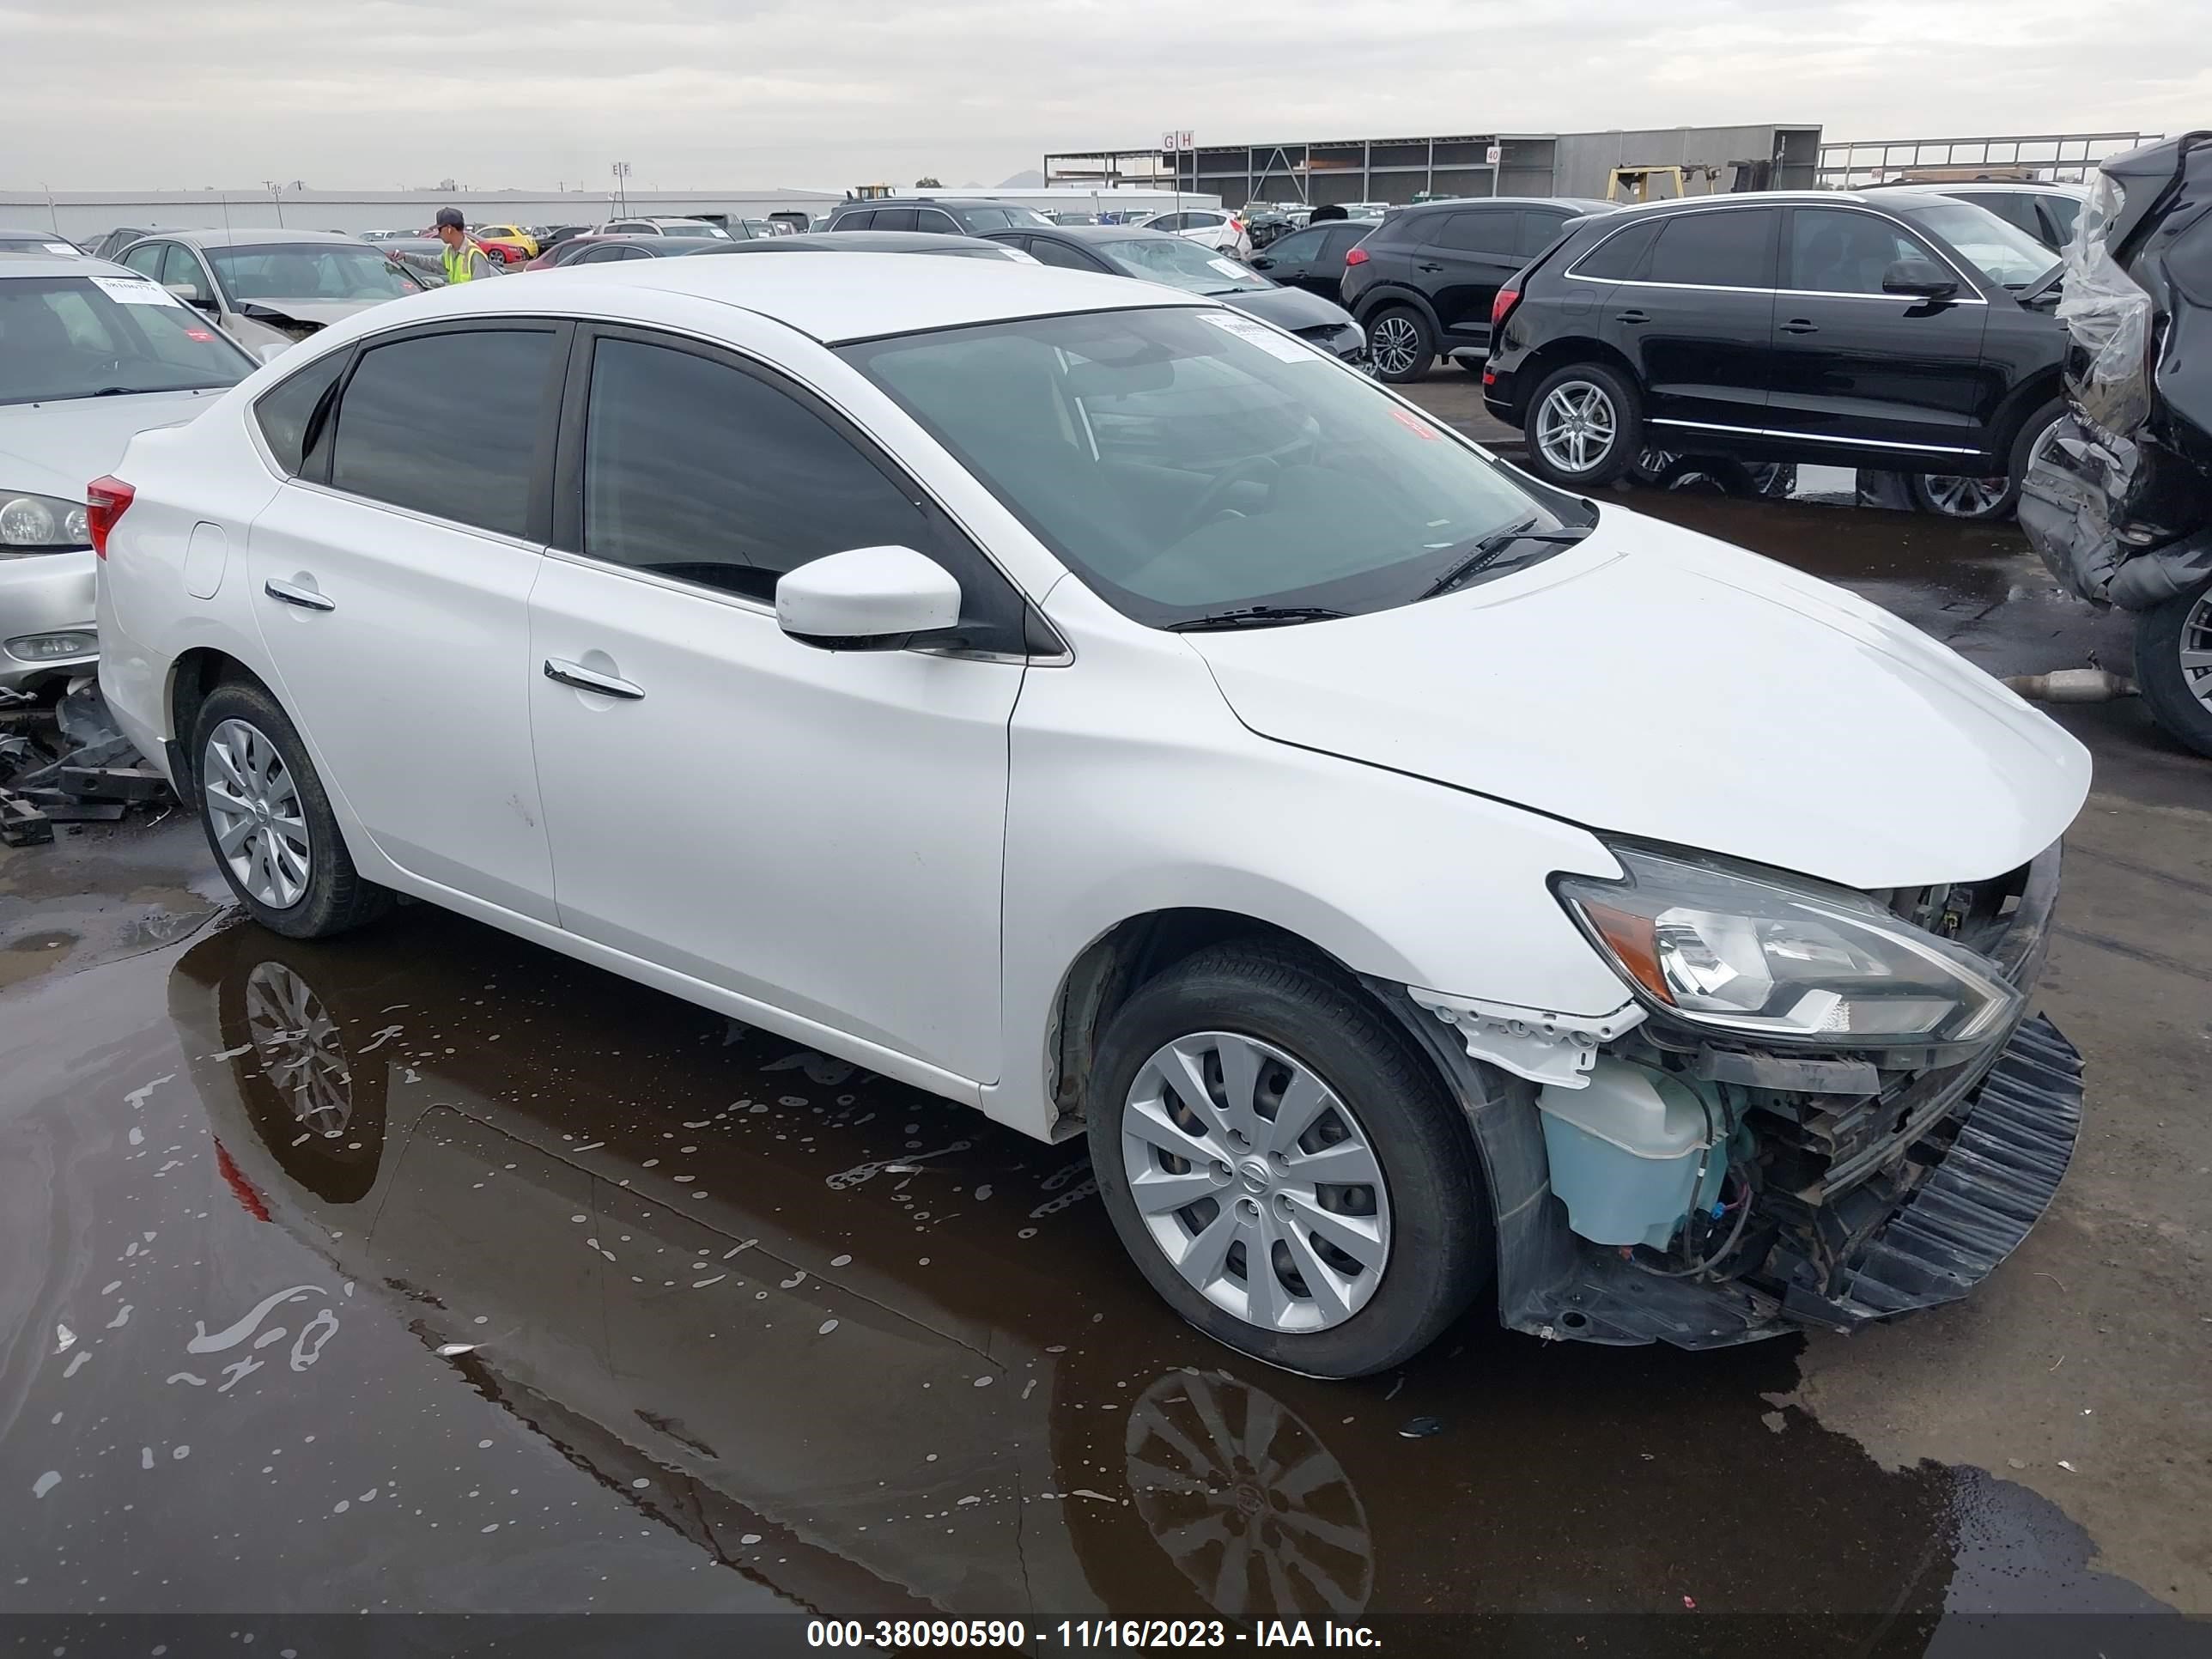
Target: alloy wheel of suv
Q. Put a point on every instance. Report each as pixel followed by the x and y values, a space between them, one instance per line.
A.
pixel 1398 345
pixel 1981 498
pixel 2174 664
pixel 1584 426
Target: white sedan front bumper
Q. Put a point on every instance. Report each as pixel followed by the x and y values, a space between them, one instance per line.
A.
pixel 46 599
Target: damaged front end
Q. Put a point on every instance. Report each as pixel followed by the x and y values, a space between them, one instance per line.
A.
pixel 1873 1138
pixel 2118 502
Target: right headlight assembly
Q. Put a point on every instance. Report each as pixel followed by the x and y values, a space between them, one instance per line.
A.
pixel 1739 950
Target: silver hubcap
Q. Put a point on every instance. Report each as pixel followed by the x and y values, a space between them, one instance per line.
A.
pixel 1246 1500
pixel 1393 342
pixel 296 1043
pixel 1257 1182
pixel 254 809
pixel 2196 649
pixel 1575 426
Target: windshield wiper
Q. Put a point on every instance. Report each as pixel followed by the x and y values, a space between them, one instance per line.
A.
pixel 1257 616
pixel 1491 547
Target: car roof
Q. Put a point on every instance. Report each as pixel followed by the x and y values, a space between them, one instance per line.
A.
pixel 928 201
pixel 834 298
pixel 1571 204
pixel 2026 187
pixel 873 241
pixel 62 264
pixel 259 236
pixel 1089 233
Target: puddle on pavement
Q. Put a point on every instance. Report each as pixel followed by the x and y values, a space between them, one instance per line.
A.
pixel 429 1269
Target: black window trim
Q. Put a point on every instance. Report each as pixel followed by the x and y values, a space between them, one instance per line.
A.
pixel 564 539
pixel 541 466
pixel 1971 294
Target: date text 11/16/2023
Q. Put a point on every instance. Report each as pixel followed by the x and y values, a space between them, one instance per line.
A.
pixel 946 1634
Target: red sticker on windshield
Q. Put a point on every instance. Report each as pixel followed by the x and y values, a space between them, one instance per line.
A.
pixel 1414 424
pixel 198 334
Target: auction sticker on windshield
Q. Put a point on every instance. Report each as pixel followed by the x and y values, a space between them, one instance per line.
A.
pixel 134 291
pixel 1260 335
pixel 1227 267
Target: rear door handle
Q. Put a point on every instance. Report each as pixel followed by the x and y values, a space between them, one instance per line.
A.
pixel 575 674
pixel 1426 265
pixel 292 593
pixel 1631 317
pixel 1799 325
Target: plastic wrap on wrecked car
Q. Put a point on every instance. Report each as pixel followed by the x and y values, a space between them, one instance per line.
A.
pixel 2107 318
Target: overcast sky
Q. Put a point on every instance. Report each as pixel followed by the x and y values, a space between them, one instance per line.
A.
pixel 383 93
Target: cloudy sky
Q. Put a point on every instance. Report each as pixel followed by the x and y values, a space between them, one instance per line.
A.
pixel 383 93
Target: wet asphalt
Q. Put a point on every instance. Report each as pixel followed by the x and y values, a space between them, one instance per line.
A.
pixel 430 1270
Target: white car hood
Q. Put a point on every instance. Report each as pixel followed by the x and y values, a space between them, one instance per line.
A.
pixel 57 448
pixel 1654 683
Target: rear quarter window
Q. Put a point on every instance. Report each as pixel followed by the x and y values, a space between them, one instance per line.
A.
pixel 287 411
pixel 1619 256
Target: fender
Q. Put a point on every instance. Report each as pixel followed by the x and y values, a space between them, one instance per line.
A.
pixel 1394 294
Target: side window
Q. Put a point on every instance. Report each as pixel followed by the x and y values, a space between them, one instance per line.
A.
pixel 937 220
pixel 1622 255
pixel 1299 248
pixel 287 411
pixel 1495 230
pixel 893 219
pixel 1730 248
pixel 447 424
pixel 181 268
pixel 146 258
pixel 1047 251
pixel 1538 230
pixel 864 219
pixel 1170 223
pixel 1342 239
pixel 2060 213
pixel 698 471
pixel 1835 252
pixel 2016 208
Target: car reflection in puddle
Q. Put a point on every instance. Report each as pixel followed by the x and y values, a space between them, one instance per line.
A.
pixel 871 1352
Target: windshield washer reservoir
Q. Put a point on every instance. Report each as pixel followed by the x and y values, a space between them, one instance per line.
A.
pixel 1626 1151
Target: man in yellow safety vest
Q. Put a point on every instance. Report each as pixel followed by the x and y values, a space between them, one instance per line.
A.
pixel 463 261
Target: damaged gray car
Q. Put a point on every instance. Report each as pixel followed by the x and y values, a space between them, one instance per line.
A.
pixel 2119 501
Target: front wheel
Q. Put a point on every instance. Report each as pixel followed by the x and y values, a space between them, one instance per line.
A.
pixel 1585 426
pixel 2174 664
pixel 1287 1172
pixel 1399 345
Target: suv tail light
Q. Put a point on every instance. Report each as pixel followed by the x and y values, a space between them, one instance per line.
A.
pixel 105 500
pixel 1357 257
pixel 1502 306
pixel 1237 224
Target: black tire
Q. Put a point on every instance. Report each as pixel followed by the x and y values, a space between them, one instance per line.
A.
pixel 1441 1240
pixel 334 899
pixel 1932 492
pixel 1402 335
pixel 1626 406
pixel 2175 694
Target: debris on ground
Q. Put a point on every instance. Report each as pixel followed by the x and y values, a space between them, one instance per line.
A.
pixel 68 762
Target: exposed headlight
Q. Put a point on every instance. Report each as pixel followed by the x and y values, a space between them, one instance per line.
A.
pixel 1744 952
pixel 45 523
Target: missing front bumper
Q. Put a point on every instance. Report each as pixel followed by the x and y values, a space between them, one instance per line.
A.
pixel 1992 1165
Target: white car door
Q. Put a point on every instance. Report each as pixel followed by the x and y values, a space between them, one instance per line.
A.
pixel 817 831
pixel 391 581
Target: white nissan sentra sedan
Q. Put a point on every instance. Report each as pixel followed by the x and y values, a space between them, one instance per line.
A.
pixel 1093 706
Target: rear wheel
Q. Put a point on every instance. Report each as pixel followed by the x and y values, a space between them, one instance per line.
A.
pixel 1585 426
pixel 1979 499
pixel 1288 1174
pixel 2173 665
pixel 1399 344
pixel 269 822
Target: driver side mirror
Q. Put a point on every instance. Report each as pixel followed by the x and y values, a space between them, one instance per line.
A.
pixel 867 599
pixel 1919 277
pixel 1262 263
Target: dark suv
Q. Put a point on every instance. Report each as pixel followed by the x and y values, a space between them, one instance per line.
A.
pixel 1422 280
pixel 949 215
pixel 1904 331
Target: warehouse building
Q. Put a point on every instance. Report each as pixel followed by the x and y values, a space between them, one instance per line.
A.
pixel 1398 170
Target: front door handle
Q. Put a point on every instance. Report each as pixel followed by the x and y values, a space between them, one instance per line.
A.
pixel 1426 265
pixel 1631 317
pixel 1799 325
pixel 575 674
pixel 292 593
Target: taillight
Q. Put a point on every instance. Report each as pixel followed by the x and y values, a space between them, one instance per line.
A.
pixel 1357 257
pixel 1236 225
pixel 105 501
pixel 1507 299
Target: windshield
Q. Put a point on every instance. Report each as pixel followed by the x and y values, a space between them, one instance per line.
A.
pixel 309 270
pixel 1179 263
pixel 1187 461
pixel 2004 253
pixel 88 336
